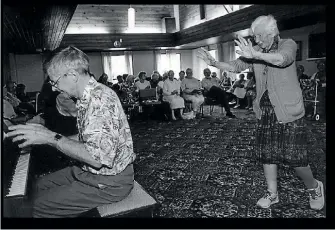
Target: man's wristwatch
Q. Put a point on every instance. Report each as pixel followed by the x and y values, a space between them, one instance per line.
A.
pixel 57 137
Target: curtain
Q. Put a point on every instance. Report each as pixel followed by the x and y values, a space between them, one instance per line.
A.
pixel 107 64
pixel 129 62
pixel 158 61
pixel 122 62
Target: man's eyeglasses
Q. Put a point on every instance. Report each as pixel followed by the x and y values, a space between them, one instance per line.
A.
pixel 55 83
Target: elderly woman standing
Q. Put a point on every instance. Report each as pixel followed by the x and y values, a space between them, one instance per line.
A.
pixel 191 88
pixel 281 131
pixel 171 92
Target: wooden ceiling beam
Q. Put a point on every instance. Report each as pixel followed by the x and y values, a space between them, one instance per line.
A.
pixel 242 19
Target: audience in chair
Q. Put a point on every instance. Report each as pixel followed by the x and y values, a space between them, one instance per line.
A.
pixel 171 92
pixel 154 80
pixel 321 73
pixel 192 91
pixel 8 112
pixel 142 83
pixel 239 90
pixel 215 78
pixel 250 90
pixel 212 90
pixel 181 75
pixel 300 73
pixel 103 79
pixel 19 106
pixel 161 83
pixel 226 81
pixel 21 94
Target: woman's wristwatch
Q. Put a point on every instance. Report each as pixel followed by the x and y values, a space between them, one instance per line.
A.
pixel 213 62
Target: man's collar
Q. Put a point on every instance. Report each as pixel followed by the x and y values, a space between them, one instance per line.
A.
pixel 88 88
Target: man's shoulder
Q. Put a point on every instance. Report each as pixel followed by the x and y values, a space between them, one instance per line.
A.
pixel 102 92
pixel 287 41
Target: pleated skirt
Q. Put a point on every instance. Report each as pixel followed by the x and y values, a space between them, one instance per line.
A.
pixel 281 144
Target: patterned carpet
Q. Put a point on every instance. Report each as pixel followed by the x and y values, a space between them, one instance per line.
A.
pixel 202 168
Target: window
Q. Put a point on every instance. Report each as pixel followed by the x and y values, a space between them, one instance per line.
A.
pixel 168 62
pixel 119 67
pixel 213 69
pixel 115 65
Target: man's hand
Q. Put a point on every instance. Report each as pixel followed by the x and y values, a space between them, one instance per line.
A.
pixel 32 134
pixel 247 50
pixel 37 120
pixel 206 56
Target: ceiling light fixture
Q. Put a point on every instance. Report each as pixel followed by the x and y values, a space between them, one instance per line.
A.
pixel 131 18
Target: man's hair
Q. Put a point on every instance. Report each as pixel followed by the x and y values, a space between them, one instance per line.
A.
pixel 301 67
pixel 170 71
pixel 269 21
pixel 189 69
pixel 69 58
pixel 129 77
pixel 182 71
pixel 207 69
pixel 141 73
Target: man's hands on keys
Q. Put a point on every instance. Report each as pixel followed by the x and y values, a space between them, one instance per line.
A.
pixel 31 134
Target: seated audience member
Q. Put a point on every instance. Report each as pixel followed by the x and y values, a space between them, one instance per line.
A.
pixel 154 80
pixel 158 74
pixel 20 107
pixel 103 79
pixel 226 81
pixel 118 87
pixel 21 94
pixel 142 83
pixel 215 78
pixel 104 145
pixel 300 73
pixel 181 75
pixel 161 83
pixel 130 90
pixel 320 75
pixel 212 90
pixel 148 78
pixel 192 91
pixel 10 96
pixel 9 114
pixel 171 92
pixel 120 80
pixel 124 77
pixel 250 90
pixel 239 90
pixel 130 81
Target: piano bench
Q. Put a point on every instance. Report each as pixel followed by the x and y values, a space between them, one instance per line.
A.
pixel 137 204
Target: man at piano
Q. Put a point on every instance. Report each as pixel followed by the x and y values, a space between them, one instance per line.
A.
pixel 103 145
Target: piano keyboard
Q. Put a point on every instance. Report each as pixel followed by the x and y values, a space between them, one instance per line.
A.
pixel 20 177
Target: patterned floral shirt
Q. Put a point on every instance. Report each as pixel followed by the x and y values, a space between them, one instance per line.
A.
pixel 104 129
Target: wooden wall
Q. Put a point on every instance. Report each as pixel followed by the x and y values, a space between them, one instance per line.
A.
pixel 106 41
